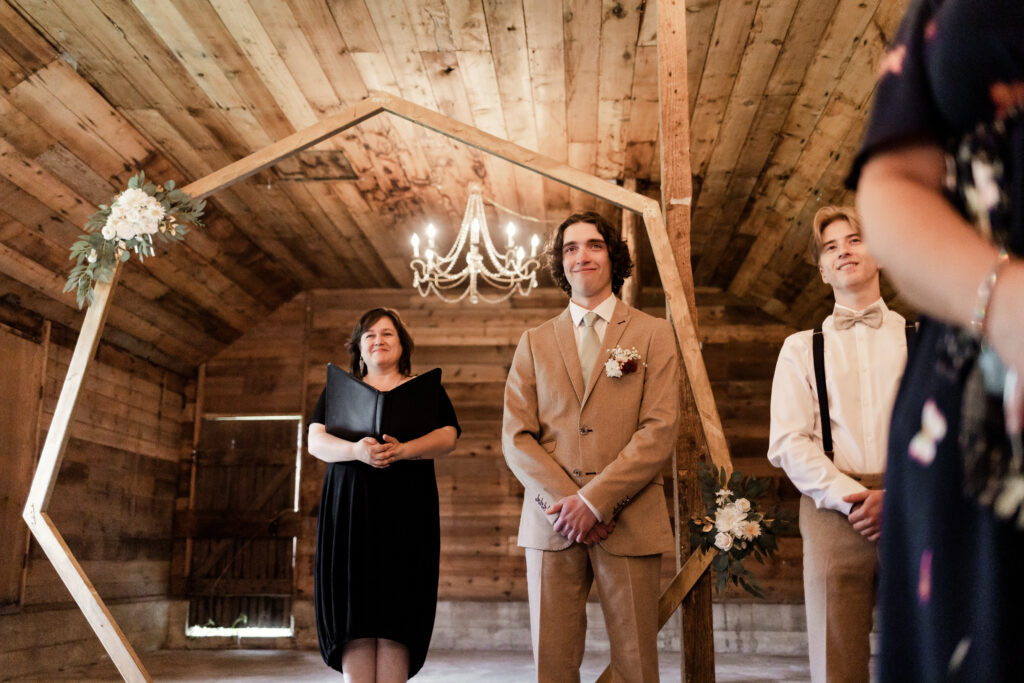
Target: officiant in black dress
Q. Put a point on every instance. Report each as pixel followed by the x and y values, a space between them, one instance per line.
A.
pixel 378 533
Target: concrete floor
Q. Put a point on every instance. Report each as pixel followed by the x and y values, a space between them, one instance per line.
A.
pixel 442 666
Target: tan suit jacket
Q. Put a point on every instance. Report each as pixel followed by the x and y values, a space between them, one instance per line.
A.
pixel 607 438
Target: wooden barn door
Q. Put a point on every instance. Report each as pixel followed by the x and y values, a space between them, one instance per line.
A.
pixel 242 523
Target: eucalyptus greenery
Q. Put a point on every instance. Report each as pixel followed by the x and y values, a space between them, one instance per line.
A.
pixel 128 225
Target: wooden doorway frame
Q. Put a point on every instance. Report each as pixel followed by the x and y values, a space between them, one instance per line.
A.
pixel 35 513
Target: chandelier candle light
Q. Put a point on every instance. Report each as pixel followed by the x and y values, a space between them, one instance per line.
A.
pixel 509 273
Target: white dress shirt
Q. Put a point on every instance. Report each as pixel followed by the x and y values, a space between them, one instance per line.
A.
pixel 604 311
pixel 863 367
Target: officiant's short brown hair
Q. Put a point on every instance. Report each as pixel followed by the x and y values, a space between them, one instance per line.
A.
pixel 368 320
pixel 826 216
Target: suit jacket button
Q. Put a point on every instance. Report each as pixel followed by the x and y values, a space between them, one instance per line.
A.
pixel 576 473
pixel 585 430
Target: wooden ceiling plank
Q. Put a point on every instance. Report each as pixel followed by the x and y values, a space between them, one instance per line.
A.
pixel 507 31
pixel 617 62
pixel 850 91
pixel 394 28
pixel 22 42
pixel 468 25
pixel 729 40
pixel 356 24
pixel 546 54
pixel 369 221
pixel 107 42
pixel 811 20
pixel 60 234
pixel 330 49
pixel 369 269
pixel 65 314
pixel 430 25
pixel 144 51
pixel 309 202
pixel 770 26
pixel 202 65
pixel 642 132
pixel 68 109
pixel 481 86
pixel 701 16
pixel 49 18
pixel 251 37
pixel 46 282
pixel 218 42
pixel 297 54
pixel 581 31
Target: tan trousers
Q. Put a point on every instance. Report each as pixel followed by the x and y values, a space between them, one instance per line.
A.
pixel 558 583
pixel 839 594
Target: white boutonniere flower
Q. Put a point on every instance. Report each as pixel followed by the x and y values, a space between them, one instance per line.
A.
pixel 622 362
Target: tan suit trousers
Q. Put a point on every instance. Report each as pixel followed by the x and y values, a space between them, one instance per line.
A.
pixel 839 594
pixel 558 582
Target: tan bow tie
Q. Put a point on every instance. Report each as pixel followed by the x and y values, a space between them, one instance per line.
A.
pixel 844 319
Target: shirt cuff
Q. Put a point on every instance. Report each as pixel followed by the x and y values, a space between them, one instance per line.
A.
pixel 843 486
pixel 589 505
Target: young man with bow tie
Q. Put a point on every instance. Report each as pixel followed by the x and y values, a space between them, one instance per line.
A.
pixel 832 398
pixel 591 409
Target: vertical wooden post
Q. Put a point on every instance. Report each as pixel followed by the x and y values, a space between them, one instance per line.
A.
pixel 698 643
pixel 634 283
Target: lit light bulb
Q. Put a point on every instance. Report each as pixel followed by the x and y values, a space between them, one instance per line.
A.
pixel 415 245
pixel 520 253
pixel 510 230
pixel 431 232
pixel 534 243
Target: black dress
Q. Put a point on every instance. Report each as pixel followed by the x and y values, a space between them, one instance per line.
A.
pixel 952 550
pixel 378 535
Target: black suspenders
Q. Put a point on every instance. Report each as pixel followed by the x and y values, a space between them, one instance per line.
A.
pixel 818 351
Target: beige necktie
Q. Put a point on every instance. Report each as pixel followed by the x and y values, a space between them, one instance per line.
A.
pixel 590 345
pixel 844 319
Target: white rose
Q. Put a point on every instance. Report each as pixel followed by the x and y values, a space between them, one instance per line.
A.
pixel 723 541
pixel 109 232
pixel 728 517
pixel 612 369
pixel 743 504
pixel 92 256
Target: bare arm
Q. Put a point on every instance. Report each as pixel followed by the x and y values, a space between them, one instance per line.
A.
pixel 439 442
pixel 932 254
pixel 330 448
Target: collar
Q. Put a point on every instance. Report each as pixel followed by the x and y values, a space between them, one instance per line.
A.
pixel 605 310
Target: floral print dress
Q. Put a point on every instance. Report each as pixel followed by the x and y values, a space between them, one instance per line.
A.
pixel 952 552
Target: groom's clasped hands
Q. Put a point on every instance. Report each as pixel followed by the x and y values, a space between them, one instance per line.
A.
pixel 576 521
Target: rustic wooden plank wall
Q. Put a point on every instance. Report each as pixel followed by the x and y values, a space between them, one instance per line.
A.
pixel 113 503
pixel 480 499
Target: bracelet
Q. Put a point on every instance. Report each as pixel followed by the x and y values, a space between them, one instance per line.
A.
pixel 984 298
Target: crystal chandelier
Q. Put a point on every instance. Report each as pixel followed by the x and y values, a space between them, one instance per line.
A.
pixel 509 273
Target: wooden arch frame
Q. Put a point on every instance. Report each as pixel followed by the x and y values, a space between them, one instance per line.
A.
pixel 35 513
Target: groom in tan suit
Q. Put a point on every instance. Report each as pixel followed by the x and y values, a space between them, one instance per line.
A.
pixel 588 437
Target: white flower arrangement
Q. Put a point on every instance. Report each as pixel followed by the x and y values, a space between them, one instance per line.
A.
pixel 733 526
pixel 128 225
pixel 622 362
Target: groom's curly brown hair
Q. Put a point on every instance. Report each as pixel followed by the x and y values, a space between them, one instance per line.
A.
pixel 618 252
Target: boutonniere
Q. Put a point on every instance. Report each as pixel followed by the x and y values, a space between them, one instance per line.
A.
pixel 622 362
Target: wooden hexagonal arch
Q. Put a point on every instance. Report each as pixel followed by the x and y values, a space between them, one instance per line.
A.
pixel 42 526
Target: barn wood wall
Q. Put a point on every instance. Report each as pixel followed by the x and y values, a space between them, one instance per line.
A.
pixel 113 503
pixel 266 369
